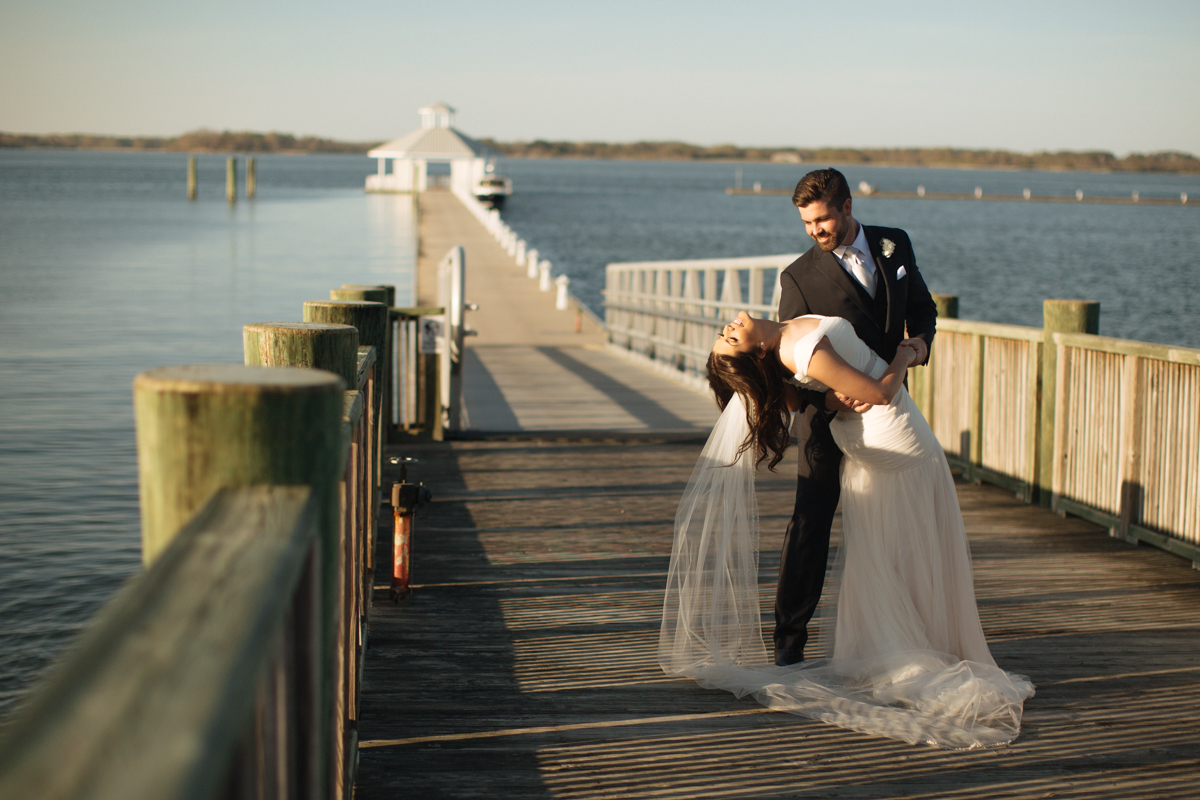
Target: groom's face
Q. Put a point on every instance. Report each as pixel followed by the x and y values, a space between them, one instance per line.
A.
pixel 826 224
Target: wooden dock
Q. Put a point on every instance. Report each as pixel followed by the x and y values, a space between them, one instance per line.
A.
pixel 524 665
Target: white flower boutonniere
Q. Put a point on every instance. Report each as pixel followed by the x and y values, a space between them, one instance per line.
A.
pixel 888 247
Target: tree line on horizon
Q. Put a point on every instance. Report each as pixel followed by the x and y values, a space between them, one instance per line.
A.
pixel 208 141
pixel 1091 160
pixel 198 141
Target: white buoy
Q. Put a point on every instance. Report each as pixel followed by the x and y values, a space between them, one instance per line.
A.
pixel 544 276
pixel 757 187
pixel 920 191
pixel 978 192
pixel 1183 197
pixel 1027 193
pixel 1135 195
pixel 531 264
pixel 562 302
pixel 1079 194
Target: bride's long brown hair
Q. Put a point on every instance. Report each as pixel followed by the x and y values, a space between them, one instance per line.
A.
pixel 760 379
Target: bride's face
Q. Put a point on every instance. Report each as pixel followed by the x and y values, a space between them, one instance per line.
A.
pixel 740 336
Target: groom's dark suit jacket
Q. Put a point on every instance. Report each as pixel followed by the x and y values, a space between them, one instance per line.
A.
pixel 815 283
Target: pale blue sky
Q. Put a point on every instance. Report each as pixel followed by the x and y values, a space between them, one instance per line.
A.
pixel 1020 75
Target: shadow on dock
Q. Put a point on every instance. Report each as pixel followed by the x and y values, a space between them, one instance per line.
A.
pixel 524 664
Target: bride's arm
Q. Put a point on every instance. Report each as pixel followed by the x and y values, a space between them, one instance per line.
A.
pixel 833 371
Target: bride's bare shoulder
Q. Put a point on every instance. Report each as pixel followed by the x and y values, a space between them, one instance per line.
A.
pixel 796 329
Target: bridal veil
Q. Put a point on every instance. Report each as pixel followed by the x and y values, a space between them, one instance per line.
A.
pixel 712 629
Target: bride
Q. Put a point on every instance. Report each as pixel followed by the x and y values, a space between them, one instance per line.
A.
pixel 906 656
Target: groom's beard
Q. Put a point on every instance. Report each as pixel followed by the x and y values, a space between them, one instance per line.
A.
pixel 834 240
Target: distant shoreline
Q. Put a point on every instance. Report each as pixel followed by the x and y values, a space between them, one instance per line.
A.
pixel 249 143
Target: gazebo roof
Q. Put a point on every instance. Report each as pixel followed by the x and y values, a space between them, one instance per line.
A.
pixel 433 144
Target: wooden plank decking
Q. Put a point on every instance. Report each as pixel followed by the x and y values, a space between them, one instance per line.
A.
pixel 524 663
pixel 528 370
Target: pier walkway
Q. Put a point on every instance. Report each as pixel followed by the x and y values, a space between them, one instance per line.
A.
pixel 528 370
pixel 524 666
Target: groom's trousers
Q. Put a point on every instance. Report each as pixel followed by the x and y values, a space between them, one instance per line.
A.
pixel 805 553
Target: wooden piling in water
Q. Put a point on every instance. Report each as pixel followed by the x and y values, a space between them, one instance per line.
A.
pixel 231 180
pixel 251 179
pixel 191 177
pixel 1060 316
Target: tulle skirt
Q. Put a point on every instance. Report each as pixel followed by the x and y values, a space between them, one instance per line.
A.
pixel 908 658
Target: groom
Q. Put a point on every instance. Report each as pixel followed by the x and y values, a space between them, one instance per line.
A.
pixel 869 276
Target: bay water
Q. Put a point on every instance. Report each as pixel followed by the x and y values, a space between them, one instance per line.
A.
pixel 107 270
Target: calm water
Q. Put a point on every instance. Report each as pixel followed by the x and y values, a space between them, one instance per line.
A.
pixel 1002 258
pixel 105 270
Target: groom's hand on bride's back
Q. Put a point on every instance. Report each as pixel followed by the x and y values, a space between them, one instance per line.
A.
pixel 836 401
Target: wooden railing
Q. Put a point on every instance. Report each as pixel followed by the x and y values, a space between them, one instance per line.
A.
pixel 1127 444
pixel 1106 429
pixel 667 313
pixel 231 666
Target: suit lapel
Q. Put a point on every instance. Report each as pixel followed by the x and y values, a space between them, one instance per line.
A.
pixel 828 266
pixel 884 273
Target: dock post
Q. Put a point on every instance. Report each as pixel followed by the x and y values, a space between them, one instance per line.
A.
pixel 231 180
pixel 1060 316
pixel 191 178
pixel 390 369
pixel 562 300
pixel 922 378
pixel 251 180
pixel 531 263
pixel 544 276
pixel 302 344
pixel 373 324
pixel 376 294
pixel 204 428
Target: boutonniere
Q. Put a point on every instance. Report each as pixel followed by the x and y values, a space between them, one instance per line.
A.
pixel 888 247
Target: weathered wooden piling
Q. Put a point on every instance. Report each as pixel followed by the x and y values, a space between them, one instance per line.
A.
pixel 231 180
pixel 1060 316
pixel 374 330
pixel 251 179
pixel 303 344
pixel 920 384
pixel 369 294
pixel 391 290
pixel 191 177
pixel 204 428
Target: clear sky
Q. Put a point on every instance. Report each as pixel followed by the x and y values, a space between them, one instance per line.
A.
pixel 1120 76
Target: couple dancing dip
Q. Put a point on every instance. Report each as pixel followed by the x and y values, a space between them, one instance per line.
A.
pixel 904 653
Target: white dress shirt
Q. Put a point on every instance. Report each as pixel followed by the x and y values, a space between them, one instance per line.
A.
pixel 864 249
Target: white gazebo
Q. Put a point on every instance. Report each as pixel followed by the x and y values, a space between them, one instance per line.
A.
pixel 435 141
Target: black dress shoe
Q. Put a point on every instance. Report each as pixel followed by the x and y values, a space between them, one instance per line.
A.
pixel 786 659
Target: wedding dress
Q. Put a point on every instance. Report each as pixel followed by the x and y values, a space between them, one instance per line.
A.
pixel 907 657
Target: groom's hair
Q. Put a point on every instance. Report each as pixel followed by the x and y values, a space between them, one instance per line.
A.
pixel 826 185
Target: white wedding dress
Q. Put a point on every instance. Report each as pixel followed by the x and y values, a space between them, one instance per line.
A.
pixel 907 655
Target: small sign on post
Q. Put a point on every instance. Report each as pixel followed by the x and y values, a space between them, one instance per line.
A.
pixel 433 334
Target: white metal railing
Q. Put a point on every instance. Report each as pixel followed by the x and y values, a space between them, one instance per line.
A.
pixel 669 312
